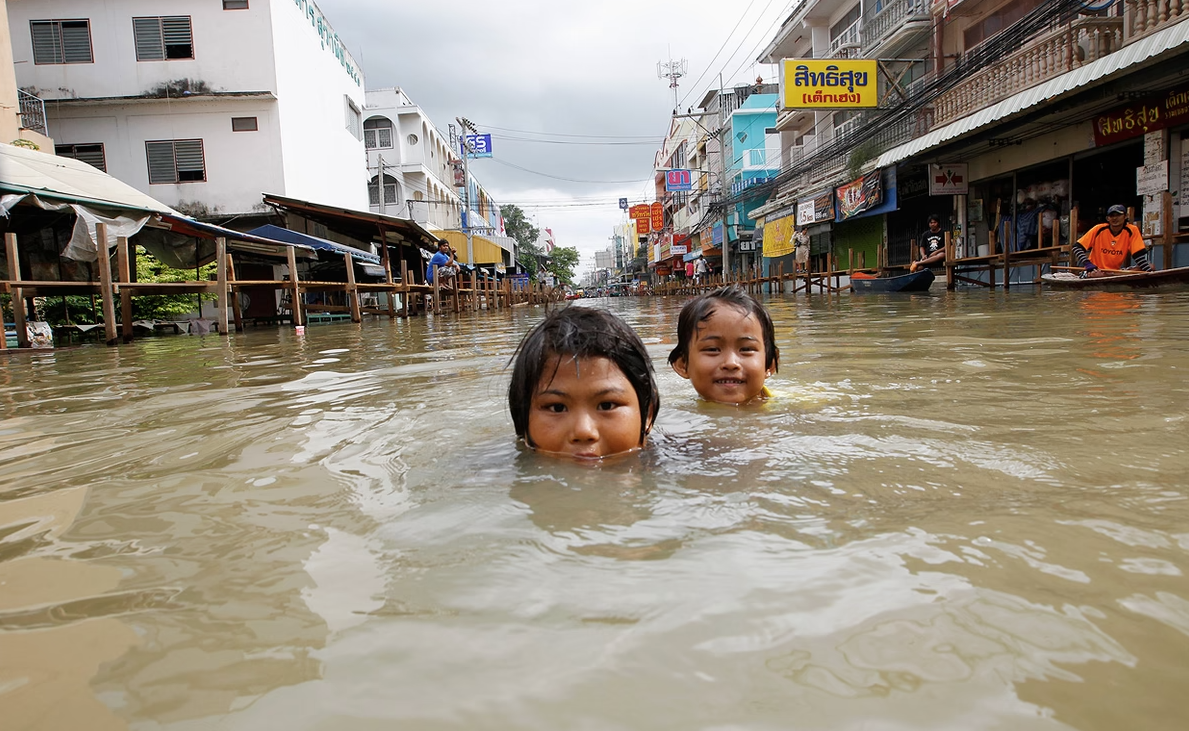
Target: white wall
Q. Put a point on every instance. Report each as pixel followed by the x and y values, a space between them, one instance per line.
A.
pixel 239 165
pixel 323 161
pixel 115 70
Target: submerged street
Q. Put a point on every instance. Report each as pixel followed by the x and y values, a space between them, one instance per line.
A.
pixel 960 510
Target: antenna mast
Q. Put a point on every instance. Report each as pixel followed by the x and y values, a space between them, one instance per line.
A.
pixel 672 70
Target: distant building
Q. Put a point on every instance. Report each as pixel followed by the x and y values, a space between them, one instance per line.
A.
pixel 203 106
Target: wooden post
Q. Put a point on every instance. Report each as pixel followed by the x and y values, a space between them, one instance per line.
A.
pixel 949 264
pixel 352 290
pixel 125 272
pixel 296 316
pixel 404 285
pixel 236 310
pixel 103 260
pixel 18 299
pixel 1166 227
pixel 386 260
pixel 221 283
pixel 437 293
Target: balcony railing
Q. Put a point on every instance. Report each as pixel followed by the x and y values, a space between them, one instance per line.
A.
pixel 1047 56
pixel 893 16
pixel 1147 16
pixel 762 159
pixel 32 113
pixel 851 37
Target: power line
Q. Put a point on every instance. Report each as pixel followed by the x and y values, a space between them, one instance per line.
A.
pixel 651 142
pixel 716 54
pixel 651 137
pixel 558 177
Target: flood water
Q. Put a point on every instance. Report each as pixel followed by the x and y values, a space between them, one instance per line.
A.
pixel 961 511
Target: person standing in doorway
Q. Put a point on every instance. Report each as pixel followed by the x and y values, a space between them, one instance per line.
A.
pixel 801 250
pixel 931 244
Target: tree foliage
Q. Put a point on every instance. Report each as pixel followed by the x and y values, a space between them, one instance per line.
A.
pixel 562 262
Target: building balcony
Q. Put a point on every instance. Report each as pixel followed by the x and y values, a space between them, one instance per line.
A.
pixel 896 27
pixel 1144 17
pixel 1047 56
pixel 32 113
pixel 761 159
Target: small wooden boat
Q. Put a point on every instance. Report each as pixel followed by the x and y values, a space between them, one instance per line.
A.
pixel 917 281
pixel 1119 280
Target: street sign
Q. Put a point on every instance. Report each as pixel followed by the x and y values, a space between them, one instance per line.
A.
pixel 678 181
pixel 480 146
pixel 623 204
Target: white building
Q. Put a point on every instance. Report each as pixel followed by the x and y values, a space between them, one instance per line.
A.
pixel 203 106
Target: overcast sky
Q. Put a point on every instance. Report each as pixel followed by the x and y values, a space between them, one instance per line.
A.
pixel 581 75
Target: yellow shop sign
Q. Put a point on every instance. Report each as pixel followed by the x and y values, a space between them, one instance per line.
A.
pixel 833 83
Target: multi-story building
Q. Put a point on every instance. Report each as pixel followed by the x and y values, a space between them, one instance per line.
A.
pixel 22 115
pixel 422 178
pixel 1009 119
pixel 203 106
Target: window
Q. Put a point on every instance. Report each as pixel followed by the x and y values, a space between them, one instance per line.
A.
pixel 175 161
pixel 244 124
pixel 92 154
pixel 1004 17
pixel 845 22
pixel 235 4
pixel 373 191
pixel 61 41
pixel 164 38
pixel 377 133
pixel 354 119
pixel 411 139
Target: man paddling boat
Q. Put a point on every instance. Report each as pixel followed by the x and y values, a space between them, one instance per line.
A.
pixel 1108 246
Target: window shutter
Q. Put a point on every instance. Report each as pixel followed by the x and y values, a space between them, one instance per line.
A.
pixel 90 154
pixel 389 194
pixel 161 169
pixel 47 41
pixel 373 194
pixel 76 41
pixel 369 138
pixel 189 159
pixel 385 136
pixel 149 44
pixel 179 42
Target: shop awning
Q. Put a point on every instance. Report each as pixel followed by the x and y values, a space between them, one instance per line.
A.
pixel 361 225
pixel 1116 63
pixel 69 180
pixel 296 238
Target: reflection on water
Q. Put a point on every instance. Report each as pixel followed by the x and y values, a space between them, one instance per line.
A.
pixel 961 511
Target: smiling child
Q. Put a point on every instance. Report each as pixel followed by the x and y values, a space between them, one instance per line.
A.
pixel 582 386
pixel 726 346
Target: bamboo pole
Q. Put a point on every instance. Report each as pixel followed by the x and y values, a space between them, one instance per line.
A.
pixel 221 283
pixel 103 259
pixel 236 309
pixel 18 300
pixel 404 284
pixel 437 293
pixel 125 272
pixel 351 289
pixel 296 317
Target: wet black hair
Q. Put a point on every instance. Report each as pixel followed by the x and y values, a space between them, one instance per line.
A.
pixel 580 332
pixel 933 217
pixel 702 307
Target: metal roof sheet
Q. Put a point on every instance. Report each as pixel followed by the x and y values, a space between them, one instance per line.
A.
pixel 1138 52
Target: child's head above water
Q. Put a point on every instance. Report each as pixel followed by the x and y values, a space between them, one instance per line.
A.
pixel 582 385
pixel 726 346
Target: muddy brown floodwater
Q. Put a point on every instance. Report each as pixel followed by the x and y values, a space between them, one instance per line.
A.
pixel 961 511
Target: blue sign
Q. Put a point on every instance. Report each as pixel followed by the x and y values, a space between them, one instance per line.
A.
pixel 623 204
pixel 716 234
pixel 679 181
pixel 480 146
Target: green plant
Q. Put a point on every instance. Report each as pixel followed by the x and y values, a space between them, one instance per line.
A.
pixel 29 144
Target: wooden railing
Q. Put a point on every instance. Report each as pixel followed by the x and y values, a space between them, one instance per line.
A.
pixel 1057 52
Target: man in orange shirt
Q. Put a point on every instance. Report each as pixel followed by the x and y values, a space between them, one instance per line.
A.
pixel 1107 245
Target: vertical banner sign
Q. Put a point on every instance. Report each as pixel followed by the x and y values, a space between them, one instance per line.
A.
pixel 459 174
pixel 480 146
pixel 677 181
pixel 642 215
pixel 658 216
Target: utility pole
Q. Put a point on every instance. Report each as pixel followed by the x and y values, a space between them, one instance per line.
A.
pixel 466 186
pixel 722 182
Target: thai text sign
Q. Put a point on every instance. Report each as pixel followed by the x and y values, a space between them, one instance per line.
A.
pixel 1151 179
pixel 816 209
pixel 642 215
pixel 828 83
pixel 1141 117
pixel 658 216
pixel 859 195
pixel 779 228
pixel 678 181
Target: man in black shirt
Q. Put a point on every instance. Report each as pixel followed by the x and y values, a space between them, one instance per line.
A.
pixel 932 244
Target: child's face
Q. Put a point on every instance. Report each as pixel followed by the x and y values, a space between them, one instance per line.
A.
pixel 726 357
pixel 587 410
